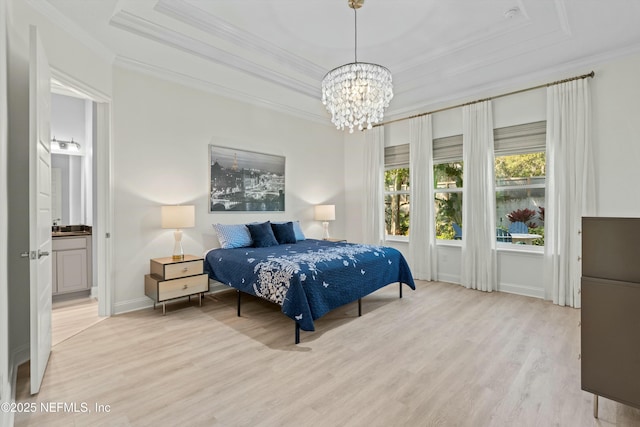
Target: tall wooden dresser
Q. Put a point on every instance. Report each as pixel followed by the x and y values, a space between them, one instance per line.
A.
pixel 610 333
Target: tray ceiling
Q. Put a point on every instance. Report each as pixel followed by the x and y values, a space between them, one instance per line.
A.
pixel 275 52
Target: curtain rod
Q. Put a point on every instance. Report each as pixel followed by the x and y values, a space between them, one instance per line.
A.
pixel 584 76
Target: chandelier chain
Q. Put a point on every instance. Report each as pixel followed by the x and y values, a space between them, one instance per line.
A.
pixel 355 31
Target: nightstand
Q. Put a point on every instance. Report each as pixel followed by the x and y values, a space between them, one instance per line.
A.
pixel 335 240
pixel 170 279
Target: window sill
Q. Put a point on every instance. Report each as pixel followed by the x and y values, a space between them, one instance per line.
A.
pixel 500 247
pixel 392 238
pixel 510 247
pixel 452 243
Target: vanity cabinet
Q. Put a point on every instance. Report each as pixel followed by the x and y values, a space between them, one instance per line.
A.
pixel 71 264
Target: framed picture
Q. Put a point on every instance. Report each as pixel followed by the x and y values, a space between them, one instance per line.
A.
pixel 245 181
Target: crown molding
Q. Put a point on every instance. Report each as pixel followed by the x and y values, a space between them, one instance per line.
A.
pixel 69 85
pixel 583 65
pixel 554 37
pixel 469 42
pixel 563 19
pixel 209 87
pixel 163 35
pixel 210 24
pixel 413 79
pixel 67 25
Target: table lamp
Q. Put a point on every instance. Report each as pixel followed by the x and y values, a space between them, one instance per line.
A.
pixel 178 217
pixel 325 213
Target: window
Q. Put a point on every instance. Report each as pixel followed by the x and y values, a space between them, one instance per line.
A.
pixel 520 163
pixel 448 200
pixel 396 202
pixel 397 208
pixel 447 172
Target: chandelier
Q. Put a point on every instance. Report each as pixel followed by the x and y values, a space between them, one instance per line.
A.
pixel 357 93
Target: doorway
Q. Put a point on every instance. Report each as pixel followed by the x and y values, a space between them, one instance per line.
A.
pixel 85 200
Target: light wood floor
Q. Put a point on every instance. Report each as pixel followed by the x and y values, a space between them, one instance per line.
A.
pixel 71 317
pixel 441 356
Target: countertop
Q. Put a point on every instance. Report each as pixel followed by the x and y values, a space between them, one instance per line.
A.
pixel 70 230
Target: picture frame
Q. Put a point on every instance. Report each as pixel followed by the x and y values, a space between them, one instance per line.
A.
pixel 245 181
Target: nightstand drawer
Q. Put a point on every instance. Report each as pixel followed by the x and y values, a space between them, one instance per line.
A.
pixel 165 290
pixel 178 269
pixel 184 269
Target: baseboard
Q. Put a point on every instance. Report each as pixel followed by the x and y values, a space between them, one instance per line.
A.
pixel 215 286
pixel 18 357
pixel 449 278
pixel 132 305
pixel 527 291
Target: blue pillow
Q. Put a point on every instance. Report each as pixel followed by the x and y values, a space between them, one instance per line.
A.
pixel 296 229
pixel 262 235
pixel 284 232
pixel 233 235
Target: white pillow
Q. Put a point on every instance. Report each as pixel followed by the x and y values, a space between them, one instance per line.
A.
pixel 233 235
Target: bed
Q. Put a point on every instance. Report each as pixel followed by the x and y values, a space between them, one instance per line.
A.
pixel 310 277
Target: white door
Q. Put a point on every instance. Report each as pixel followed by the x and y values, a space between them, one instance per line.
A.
pixel 39 208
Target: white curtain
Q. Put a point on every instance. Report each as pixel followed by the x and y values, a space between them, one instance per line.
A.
pixel 422 236
pixel 570 188
pixel 373 209
pixel 479 268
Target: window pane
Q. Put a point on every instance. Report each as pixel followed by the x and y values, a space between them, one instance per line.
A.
pixel 396 179
pixel 524 204
pixel 448 212
pixel 520 169
pixel 448 175
pixel 396 214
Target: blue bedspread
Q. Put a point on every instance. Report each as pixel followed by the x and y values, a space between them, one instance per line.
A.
pixel 309 278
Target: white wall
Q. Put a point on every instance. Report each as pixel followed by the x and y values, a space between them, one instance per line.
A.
pixel 71 119
pixel 616 135
pixel 67 52
pixel 162 131
pixel 5 381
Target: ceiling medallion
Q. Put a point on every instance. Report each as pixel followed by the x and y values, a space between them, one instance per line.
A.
pixel 357 93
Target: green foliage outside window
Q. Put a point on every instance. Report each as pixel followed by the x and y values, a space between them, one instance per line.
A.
pixel 520 165
pixel 397 206
pixel 448 204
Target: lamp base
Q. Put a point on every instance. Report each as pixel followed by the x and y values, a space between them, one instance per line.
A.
pixel 178 253
pixel 325 226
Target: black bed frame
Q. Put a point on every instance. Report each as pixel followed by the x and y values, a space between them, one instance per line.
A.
pixel 297 324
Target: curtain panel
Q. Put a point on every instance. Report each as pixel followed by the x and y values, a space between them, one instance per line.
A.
pixel 422 236
pixel 373 208
pixel 479 266
pixel 570 188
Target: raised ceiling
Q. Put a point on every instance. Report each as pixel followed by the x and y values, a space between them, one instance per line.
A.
pixel 275 52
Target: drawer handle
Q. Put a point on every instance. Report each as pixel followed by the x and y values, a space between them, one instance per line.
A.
pixel 184 270
pixel 185 287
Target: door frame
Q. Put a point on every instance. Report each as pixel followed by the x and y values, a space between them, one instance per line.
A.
pixel 5 370
pixel 104 187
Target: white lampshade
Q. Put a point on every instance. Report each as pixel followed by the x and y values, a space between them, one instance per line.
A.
pixel 325 213
pixel 178 216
